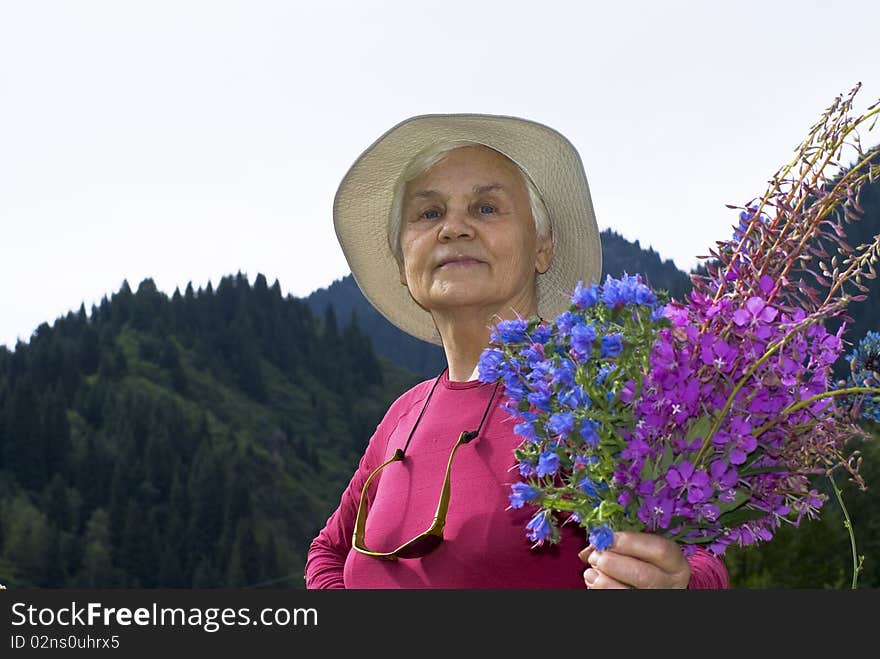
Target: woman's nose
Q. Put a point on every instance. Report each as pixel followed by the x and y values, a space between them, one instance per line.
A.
pixel 456 224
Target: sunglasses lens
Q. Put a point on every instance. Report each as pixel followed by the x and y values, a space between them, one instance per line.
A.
pixel 422 545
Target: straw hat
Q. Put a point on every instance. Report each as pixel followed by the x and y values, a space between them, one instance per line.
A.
pixel 362 209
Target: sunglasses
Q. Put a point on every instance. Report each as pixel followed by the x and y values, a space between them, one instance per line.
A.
pixel 427 541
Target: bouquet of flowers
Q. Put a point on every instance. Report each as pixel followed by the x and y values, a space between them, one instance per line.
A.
pixel 703 419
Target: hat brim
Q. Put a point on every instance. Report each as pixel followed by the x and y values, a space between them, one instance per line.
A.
pixel 362 209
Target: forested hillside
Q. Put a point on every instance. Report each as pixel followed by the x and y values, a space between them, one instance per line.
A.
pixel 193 441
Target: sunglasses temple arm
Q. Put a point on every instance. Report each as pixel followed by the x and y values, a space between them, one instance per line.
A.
pixel 443 506
pixel 360 522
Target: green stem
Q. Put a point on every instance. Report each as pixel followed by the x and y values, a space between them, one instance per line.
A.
pixel 852 537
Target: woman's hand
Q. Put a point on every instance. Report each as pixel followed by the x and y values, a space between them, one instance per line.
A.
pixel 636 560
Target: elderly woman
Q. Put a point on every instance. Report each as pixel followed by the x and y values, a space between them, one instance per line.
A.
pixel 451 223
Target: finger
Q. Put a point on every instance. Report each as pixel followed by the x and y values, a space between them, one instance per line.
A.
pixel 654 549
pixel 584 553
pixel 596 580
pixel 629 570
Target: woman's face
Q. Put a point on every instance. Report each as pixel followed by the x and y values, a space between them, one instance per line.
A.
pixel 468 238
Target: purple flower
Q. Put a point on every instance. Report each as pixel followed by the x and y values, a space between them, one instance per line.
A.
pixel 755 311
pixel 563 375
pixel 656 512
pixel 695 483
pixel 722 476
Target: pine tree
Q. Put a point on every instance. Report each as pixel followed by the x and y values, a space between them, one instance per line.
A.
pixel 25 449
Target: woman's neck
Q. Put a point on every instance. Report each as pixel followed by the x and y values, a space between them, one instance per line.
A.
pixel 465 334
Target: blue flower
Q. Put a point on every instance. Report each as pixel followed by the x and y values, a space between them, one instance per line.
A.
pixel 589 487
pixel 561 423
pixel 583 461
pixel 582 337
pixel 522 492
pixel 540 398
pixel 533 353
pixel 563 375
pixel 601 537
pixel 526 469
pixel 510 331
pixel 613 293
pixel 538 529
pixel 548 463
pixel 491 365
pixel 566 321
pixel 585 296
pixel 612 345
pixel 864 363
pixel 575 398
pixel 588 432
pixel 657 313
pixel 526 429
pixel 602 373
pixel 628 289
pixel 541 333
pixel 513 385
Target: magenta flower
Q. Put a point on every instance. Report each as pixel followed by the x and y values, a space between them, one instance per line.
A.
pixel 686 478
pixel 755 311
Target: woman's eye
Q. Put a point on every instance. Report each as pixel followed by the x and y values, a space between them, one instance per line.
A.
pixel 487 208
pixel 428 214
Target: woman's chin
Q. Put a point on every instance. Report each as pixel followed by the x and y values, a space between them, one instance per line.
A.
pixel 454 297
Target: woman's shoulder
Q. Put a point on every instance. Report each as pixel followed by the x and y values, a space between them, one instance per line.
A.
pixel 411 397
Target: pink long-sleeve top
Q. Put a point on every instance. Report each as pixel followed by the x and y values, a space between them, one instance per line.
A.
pixel 484 542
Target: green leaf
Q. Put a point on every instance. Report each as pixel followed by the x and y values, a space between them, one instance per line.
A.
pixel 740 497
pixel 665 460
pixel 762 470
pixel 737 517
pixel 700 428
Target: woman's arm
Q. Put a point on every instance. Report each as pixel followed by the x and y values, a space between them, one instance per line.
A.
pixel 327 552
pixel 325 561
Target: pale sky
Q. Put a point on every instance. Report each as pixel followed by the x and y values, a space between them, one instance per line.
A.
pixel 185 140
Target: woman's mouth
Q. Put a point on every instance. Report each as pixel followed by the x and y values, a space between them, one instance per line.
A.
pixel 459 263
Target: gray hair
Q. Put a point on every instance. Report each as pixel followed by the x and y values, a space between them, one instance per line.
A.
pixel 429 157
